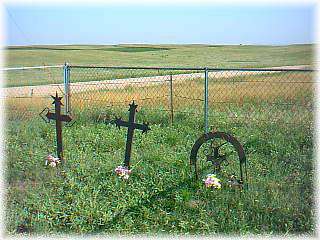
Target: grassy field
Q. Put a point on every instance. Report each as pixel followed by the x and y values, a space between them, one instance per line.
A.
pixel 144 55
pixel 270 114
pixel 162 55
pixel 85 196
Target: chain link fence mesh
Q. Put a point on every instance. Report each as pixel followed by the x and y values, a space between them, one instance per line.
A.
pixel 162 90
pixel 27 90
pixel 273 96
pixel 243 95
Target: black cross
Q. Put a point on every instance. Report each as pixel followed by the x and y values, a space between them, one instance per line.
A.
pixel 131 125
pixel 59 119
pixel 215 157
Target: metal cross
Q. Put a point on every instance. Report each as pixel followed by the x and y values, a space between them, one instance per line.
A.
pixel 131 125
pixel 59 119
pixel 215 157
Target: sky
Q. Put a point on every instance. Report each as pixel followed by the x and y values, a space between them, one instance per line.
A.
pixel 159 24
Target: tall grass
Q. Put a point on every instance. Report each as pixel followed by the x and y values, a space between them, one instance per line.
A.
pixel 85 196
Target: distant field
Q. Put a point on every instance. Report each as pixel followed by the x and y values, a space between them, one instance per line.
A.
pixel 161 55
pixel 144 55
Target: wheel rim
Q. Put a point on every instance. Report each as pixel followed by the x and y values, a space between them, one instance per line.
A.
pixel 221 154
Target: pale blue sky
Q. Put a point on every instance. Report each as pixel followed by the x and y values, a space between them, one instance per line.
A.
pixel 208 24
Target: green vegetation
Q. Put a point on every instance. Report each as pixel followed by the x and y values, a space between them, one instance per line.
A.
pixel 85 195
pixel 270 114
pixel 161 55
pixel 117 49
pixel 142 55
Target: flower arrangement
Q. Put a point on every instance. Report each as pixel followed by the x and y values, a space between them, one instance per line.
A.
pixel 212 181
pixel 122 172
pixel 52 161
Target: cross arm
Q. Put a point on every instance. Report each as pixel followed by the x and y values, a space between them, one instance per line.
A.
pixel 51 115
pixel 120 123
pixel 144 127
pixel 65 118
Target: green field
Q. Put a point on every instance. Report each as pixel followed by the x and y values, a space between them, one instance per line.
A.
pixel 162 55
pixel 270 114
pixel 221 56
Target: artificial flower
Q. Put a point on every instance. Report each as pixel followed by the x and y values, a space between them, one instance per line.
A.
pixel 212 181
pixel 122 172
pixel 52 161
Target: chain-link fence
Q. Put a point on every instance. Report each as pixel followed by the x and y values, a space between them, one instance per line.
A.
pixel 262 95
pixel 156 89
pixel 209 94
pixel 28 89
pixel 206 94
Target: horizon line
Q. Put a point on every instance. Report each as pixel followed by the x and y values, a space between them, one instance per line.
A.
pixel 117 44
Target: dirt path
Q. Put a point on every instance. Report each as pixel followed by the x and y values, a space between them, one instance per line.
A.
pixel 50 89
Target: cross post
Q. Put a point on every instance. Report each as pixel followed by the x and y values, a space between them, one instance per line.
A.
pixel 131 125
pixel 59 119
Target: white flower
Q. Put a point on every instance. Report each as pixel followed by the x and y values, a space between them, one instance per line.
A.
pixel 52 161
pixel 122 172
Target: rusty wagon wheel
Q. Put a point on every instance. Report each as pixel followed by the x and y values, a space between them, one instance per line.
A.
pixel 219 153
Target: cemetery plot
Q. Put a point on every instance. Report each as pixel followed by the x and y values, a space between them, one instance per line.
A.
pixel 163 196
pixel 86 196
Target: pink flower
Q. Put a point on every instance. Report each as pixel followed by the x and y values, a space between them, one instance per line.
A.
pixel 52 161
pixel 122 172
pixel 208 182
pixel 212 181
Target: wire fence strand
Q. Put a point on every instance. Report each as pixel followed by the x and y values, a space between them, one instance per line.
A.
pixel 254 94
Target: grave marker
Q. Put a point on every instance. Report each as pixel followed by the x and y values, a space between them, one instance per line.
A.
pixel 131 125
pixel 59 119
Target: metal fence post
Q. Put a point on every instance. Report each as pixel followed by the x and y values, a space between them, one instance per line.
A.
pixel 206 114
pixel 171 100
pixel 66 82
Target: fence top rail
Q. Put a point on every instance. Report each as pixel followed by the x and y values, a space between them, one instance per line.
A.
pixel 33 67
pixel 194 68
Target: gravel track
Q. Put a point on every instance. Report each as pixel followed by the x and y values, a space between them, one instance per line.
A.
pixel 50 89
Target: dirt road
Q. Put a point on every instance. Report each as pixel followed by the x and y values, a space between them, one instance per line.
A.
pixel 50 89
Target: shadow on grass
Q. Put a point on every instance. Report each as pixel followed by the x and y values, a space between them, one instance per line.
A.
pixel 148 201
